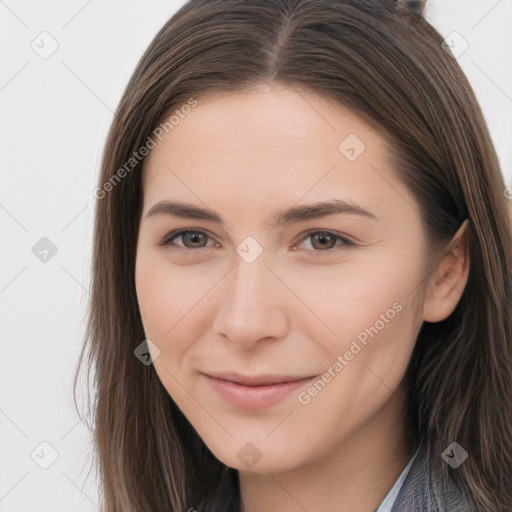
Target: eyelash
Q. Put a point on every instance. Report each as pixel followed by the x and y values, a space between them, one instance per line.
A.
pixel 167 241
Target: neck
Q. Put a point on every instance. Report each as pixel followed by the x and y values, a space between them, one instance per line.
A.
pixel 354 475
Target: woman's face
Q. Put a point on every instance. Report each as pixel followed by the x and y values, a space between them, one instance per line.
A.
pixel 283 325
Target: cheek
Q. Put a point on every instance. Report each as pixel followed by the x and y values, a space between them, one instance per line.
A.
pixel 380 325
pixel 171 301
pixel 368 307
pixel 345 299
pixel 161 296
pixel 151 284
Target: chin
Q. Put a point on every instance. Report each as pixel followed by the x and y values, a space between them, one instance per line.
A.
pixel 260 455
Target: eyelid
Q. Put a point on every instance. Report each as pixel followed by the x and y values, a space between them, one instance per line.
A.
pixel 166 241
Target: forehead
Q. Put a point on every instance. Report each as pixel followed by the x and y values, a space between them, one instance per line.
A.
pixel 270 145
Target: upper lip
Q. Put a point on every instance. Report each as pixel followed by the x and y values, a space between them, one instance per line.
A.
pixel 255 380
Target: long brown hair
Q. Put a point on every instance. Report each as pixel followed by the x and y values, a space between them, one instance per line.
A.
pixel 389 67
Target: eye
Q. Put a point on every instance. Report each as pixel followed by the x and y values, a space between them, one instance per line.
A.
pixel 325 241
pixel 195 238
pixel 322 241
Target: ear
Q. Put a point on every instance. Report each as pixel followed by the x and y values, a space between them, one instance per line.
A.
pixel 448 281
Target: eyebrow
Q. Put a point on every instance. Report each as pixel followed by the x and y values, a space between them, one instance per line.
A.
pixel 280 218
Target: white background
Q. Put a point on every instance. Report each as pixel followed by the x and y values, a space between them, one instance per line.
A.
pixel 55 113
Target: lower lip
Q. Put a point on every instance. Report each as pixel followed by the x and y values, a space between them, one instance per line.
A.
pixel 254 397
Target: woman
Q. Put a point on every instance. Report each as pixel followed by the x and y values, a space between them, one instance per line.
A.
pixel 301 288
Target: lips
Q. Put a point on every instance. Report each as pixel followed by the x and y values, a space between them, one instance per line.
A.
pixel 254 392
pixel 253 381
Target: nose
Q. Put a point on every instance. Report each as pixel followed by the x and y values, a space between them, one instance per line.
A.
pixel 252 304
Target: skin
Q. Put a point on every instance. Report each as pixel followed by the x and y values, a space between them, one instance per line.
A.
pixel 291 311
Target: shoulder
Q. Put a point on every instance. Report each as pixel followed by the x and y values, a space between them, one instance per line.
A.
pixel 417 491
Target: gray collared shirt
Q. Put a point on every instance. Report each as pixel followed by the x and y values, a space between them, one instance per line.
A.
pixel 413 491
pixel 389 500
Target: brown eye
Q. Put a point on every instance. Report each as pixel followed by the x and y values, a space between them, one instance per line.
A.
pixel 323 242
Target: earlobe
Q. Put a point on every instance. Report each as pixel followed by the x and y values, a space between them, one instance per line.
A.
pixel 448 281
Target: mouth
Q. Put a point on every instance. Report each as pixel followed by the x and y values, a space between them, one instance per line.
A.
pixel 254 392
